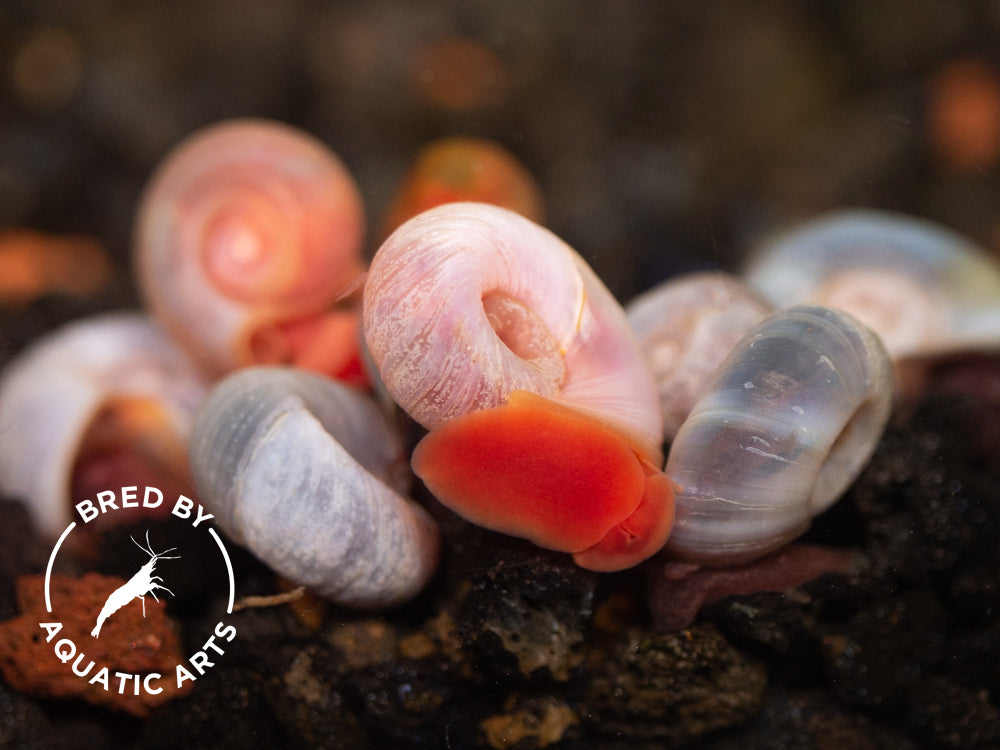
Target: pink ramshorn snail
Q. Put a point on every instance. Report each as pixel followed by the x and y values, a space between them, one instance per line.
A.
pixel 495 335
pixel 246 235
pixel 686 327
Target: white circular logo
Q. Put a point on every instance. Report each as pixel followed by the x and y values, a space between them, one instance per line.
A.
pixel 151 578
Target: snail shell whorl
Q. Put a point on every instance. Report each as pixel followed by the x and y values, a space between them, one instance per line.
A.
pixel 246 225
pixel 52 392
pixel 921 287
pixel 467 302
pixel 298 469
pixel 791 417
pixel 686 327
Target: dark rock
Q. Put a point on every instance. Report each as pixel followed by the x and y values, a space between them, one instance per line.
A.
pixel 974 593
pixel 526 612
pixel 412 702
pixel 310 703
pixel 228 709
pixel 884 649
pixel 22 723
pixel 809 719
pixel 924 506
pixel 949 715
pixel 671 688
pixel 770 622
pixel 971 658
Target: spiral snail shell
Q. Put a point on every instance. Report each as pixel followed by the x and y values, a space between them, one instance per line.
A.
pixel 789 420
pixel 246 234
pixel 686 327
pixel 306 474
pixel 924 289
pixel 495 335
pixel 118 367
pixel 468 302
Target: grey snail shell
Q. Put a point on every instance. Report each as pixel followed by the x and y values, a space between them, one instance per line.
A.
pixel 790 418
pixel 300 470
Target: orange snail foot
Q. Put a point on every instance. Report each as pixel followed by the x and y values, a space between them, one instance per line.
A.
pixel 327 343
pixel 561 479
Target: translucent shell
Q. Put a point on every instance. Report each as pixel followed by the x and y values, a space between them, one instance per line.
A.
pixel 686 327
pixel 468 302
pixel 245 229
pixel 922 288
pixel 120 366
pixel 789 420
pixel 307 474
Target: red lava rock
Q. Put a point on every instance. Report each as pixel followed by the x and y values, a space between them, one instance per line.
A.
pixel 128 644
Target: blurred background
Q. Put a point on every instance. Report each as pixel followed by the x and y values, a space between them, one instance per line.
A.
pixel 665 136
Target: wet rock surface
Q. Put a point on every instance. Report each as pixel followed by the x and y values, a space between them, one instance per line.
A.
pixel 666 137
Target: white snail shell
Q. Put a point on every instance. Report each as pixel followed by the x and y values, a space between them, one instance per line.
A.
pixel 51 393
pixel 789 420
pixel 245 227
pixel 922 288
pixel 468 302
pixel 686 327
pixel 300 470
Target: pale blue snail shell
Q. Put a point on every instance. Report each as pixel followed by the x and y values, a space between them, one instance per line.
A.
pixel 308 475
pixel 924 289
pixel 788 421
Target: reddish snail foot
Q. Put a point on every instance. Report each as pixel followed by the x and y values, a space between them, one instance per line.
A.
pixel 327 343
pixel 677 591
pixel 563 480
pixel 130 443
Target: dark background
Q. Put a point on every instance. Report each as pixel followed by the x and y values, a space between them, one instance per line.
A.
pixel 665 135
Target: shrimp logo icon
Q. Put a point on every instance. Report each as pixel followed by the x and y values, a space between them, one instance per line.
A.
pixel 142 583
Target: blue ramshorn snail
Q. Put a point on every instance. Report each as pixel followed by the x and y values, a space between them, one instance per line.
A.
pixel 305 472
pixel 784 427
